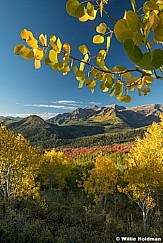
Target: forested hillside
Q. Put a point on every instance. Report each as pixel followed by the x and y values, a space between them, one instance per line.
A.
pixel 86 127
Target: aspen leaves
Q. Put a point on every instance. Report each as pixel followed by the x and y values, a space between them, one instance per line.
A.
pixel 19 167
pixel 138 32
pixel 84 12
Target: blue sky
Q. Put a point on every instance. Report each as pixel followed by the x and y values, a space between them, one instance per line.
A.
pixel 24 90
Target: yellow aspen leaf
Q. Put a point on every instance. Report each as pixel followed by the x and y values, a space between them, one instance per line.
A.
pixel 52 42
pixel 26 34
pixel 67 47
pixel 65 59
pixel 75 69
pixel 112 92
pixel 90 82
pixel 125 98
pixel 39 53
pixel 84 18
pixel 83 49
pixel 53 38
pixel 86 57
pixel 27 53
pixel 127 75
pixel 59 44
pixel 53 56
pixel 145 91
pixel 109 81
pixel 101 7
pixel 108 40
pixel 66 69
pixel 82 65
pixel 103 87
pixel 37 63
pixel 32 43
pixel 80 75
pixel 147 80
pixel 18 48
pixel 81 83
pixel 94 16
pixel 57 66
pixel 118 89
pixel 90 9
pixel 43 39
pixel 101 29
pixel 98 39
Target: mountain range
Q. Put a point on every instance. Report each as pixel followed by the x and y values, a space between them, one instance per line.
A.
pixel 87 126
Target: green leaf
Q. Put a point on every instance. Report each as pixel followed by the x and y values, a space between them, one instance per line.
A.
pixel 109 82
pixel 112 91
pixel 125 98
pixel 152 60
pixel 133 51
pixel 122 31
pixel 75 9
pixel 98 39
pixel 71 6
pixel 149 6
pixel 157 58
pixel 118 89
pixel 90 9
pixel 158 34
pixel 83 49
pixel 18 48
pixel 27 53
pixel 132 20
pixel 80 11
pixel 101 29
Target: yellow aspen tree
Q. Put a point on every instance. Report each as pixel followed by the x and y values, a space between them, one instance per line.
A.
pixel 102 179
pixel 144 170
pixel 19 167
pixel 55 170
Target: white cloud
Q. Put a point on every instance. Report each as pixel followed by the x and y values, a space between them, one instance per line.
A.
pixel 95 103
pixel 45 115
pixel 51 106
pixel 66 102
